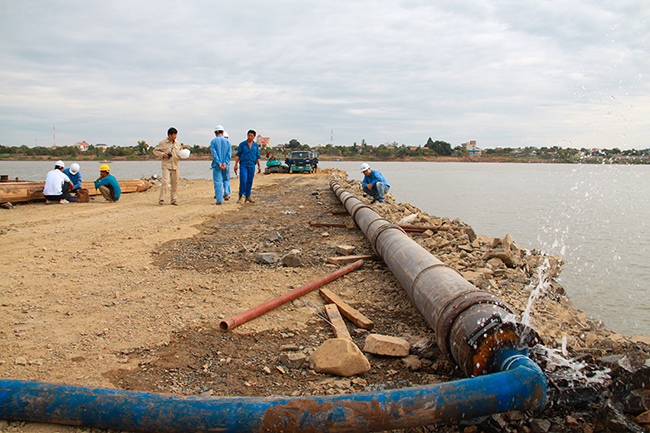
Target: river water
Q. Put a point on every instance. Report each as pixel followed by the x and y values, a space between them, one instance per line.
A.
pixel 594 216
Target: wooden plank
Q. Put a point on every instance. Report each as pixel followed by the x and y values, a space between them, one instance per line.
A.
pixel 347 259
pixel 347 310
pixel 26 191
pixel 328 225
pixel 338 325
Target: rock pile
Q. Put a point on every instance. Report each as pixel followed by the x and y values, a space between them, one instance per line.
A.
pixel 598 378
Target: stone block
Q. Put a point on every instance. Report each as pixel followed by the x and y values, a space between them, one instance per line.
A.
pixel 339 356
pixel 378 344
pixel 293 359
pixel 344 250
pixel 266 258
pixel 292 259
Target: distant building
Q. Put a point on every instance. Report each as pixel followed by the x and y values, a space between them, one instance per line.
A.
pixel 263 142
pixel 103 147
pixel 82 146
pixel 472 148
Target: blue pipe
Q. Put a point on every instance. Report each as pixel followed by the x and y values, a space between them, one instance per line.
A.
pixel 520 386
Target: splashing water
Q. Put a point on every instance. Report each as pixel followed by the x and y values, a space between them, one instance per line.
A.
pixel 543 284
pixel 558 367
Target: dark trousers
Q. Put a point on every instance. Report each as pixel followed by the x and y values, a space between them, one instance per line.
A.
pixel 65 195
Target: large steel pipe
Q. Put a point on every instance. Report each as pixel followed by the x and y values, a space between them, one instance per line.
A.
pixel 470 325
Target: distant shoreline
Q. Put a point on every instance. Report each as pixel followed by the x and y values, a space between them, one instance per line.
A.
pixel 331 158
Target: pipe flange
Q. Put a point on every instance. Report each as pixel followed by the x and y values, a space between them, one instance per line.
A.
pixel 357 207
pixel 375 235
pixel 437 265
pixel 456 307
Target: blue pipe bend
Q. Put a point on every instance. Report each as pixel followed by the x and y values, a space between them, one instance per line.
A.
pixel 520 386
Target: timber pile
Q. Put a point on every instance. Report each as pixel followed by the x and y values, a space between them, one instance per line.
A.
pixel 14 192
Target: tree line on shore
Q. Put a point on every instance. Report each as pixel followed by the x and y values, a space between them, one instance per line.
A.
pixel 388 151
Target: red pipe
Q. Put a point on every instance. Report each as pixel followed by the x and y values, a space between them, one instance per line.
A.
pixel 252 313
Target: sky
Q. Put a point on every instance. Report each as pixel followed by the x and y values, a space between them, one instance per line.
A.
pixel 506 73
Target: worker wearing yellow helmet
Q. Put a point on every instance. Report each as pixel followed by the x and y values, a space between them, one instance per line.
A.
pixel 107 184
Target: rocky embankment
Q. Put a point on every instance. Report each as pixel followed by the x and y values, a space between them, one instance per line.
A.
pixel 598 380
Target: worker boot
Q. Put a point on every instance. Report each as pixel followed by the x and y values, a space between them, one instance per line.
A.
pixel 250 200
pixel 241 198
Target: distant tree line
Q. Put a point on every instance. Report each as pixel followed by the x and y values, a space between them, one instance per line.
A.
pixel 386 151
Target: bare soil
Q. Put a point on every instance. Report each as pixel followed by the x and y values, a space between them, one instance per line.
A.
pixel 130 295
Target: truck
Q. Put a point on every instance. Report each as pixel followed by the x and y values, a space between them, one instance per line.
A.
pixel 302 161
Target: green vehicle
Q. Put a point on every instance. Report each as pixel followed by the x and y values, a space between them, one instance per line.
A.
pixel 302 161
pixel 274 165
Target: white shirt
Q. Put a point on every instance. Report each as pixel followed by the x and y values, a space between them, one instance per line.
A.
pixel 54 182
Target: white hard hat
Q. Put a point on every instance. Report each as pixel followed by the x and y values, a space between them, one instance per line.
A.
pixel 218 128
pixel 74 168
pixel 225 134
pixel 184 154
pixel 364 167
pixel 59 163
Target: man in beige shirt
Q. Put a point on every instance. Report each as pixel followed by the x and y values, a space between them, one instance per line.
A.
pixel 168 150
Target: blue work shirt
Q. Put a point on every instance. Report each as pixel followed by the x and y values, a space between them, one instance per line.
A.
pixel 221 151
pixel 111 182
pixel 375 176
pixel 248 156
pixel 74 178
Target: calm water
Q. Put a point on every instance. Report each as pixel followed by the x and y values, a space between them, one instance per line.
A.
pixel 595 216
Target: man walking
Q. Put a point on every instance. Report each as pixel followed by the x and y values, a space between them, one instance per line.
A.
pixel 374 183
pixel 168 150
pixel 221 153
pixel 248 155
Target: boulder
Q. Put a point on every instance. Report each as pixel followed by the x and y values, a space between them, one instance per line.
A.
pixel 506 256
pixel 412 362
pixel 266 258
pixel 378 344
pixel 293 359
pixel 339 356
pixel 344 250
pixel 292 259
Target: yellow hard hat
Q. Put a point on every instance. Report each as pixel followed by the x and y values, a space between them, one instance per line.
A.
pixel 105 167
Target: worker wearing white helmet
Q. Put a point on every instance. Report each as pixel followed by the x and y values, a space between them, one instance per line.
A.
pixel 74 175
pixel 57 185
pixel 374 183
pixel 221 154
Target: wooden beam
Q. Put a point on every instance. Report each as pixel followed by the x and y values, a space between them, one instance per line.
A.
pixel 328 225
pixel 347 311
pixel 347 259
pixel 338 325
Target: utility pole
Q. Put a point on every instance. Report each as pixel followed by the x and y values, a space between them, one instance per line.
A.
pixel 54 136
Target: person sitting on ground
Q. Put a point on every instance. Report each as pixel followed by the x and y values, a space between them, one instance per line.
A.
pixel 58 185
pixel 74 175
pixel 107 184
pixel 374 183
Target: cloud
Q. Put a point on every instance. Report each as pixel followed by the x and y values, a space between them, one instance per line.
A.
pixel 502 73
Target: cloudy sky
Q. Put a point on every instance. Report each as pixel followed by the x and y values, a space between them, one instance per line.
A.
pixel 507 73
